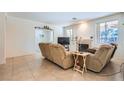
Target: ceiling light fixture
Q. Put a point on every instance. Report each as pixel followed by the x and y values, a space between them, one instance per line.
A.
pixel 74 18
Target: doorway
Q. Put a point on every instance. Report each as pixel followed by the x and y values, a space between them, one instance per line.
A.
pixel 43 36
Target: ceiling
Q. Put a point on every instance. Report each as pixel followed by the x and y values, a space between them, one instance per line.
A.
pixel 59 18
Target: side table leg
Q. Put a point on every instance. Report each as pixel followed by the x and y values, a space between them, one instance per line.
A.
pixel 85 63
pixel 83 66
pixel 75 59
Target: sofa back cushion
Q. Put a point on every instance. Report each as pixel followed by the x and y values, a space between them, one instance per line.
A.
pixel 47 50
pixel 58 53
pixel 42 49
pixel 104 53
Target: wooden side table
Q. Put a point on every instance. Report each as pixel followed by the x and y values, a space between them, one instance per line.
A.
pixel 77 67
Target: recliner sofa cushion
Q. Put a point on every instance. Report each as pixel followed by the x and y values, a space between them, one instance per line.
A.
pixel 57 54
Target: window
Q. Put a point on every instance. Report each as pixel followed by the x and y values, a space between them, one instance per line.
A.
pixel 69 33
pixel 108 32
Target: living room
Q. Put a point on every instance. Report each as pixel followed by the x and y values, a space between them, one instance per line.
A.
pixel 21 33
pixel 61 46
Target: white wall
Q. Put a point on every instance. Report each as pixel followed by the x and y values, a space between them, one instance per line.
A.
pixel 88 29
pixel 20 36
pixel 58 32
pixel 2 38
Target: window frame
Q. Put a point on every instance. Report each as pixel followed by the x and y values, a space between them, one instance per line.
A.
pixel 70 31
pixel 98 30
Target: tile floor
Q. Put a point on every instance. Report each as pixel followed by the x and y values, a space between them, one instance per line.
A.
pixel 33 67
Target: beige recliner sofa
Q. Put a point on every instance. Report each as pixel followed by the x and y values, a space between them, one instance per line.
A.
pixel 96 62
pixel 57 54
